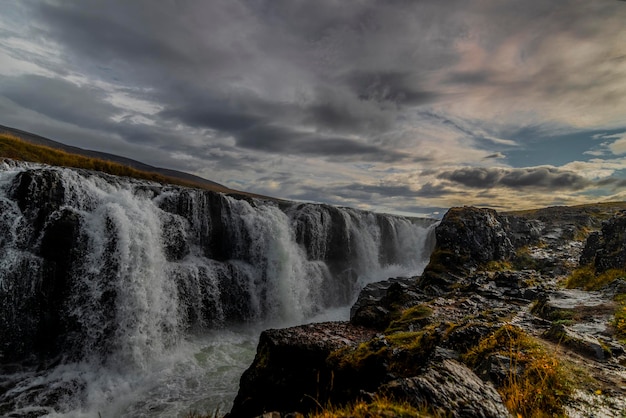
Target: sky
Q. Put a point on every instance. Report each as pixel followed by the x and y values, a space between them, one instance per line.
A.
pixel 405 107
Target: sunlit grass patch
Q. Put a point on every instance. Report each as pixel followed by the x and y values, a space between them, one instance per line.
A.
pixel 537 384
pixel 378 407
pixel 619 319
pixel 586 278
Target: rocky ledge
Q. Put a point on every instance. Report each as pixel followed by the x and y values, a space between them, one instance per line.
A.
pixel 517 314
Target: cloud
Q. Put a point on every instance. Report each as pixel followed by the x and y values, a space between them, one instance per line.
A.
pixel 282 140
pixel 59 99
pixel 618 147
pixel 548 178
pixel 612 144
pixel 402 100
pixel 497 155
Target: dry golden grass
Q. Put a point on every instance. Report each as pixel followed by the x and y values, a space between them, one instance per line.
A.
pixel 586 278
pixel 378 407
pixel 17 149
pixel 619 321
pixel 537 385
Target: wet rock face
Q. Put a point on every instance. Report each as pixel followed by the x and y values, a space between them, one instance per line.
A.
pixel 607 249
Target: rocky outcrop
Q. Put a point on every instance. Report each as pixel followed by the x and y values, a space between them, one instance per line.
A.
pixel 453 340
pixel 468 237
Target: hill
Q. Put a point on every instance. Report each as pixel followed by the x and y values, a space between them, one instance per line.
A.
pixel 26 146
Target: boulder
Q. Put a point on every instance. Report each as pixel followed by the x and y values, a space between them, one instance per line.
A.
pixel 378 302
pixel 289 372
pixel 468 237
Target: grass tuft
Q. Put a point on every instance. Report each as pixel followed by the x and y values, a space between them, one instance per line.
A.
pixel 586 278
pixel 378 407
pixel 537 384
pixel 619 319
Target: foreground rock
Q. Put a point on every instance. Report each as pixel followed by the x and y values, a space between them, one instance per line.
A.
pixel 488 313
pixel 289 368
pixel 451 388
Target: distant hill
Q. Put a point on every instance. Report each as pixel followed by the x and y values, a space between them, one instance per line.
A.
pixel 137 165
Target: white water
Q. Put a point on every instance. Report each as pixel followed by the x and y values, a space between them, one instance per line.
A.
pixel 141 354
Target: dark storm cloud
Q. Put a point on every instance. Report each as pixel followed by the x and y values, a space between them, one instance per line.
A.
pixel 534 177
pixel 241 85
pixel 359 189
pixel 469 77
pixel 616 183
pixel 188 46
pixel 496 155
pixel 59 99
pixel 286 141
pixel 431 190
pixel 396 87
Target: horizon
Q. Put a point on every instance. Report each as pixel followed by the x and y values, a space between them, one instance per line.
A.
pixel 404 107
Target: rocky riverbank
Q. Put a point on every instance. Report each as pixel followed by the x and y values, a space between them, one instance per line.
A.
pixel 516 314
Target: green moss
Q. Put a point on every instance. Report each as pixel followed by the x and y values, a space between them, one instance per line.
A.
pixel 401 353
pixel 415 316
pixel 537 385
pixel 439 260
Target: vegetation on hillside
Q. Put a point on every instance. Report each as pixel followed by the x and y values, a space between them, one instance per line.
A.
pixel 17 149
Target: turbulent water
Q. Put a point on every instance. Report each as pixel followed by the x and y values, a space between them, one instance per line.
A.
pixel 121 297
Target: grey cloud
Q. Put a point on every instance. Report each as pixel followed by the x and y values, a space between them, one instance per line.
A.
pixel 381 190
pixel 59 99
pixel 496 155
pixel 469 77
pixel 285 141
pixel 535 177
pixel 430 190
pixel 396 87
pixel 612 181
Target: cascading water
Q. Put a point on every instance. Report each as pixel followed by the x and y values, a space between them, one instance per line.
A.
pixel 122 297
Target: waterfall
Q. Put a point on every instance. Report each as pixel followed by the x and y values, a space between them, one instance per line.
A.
pixel 119 274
